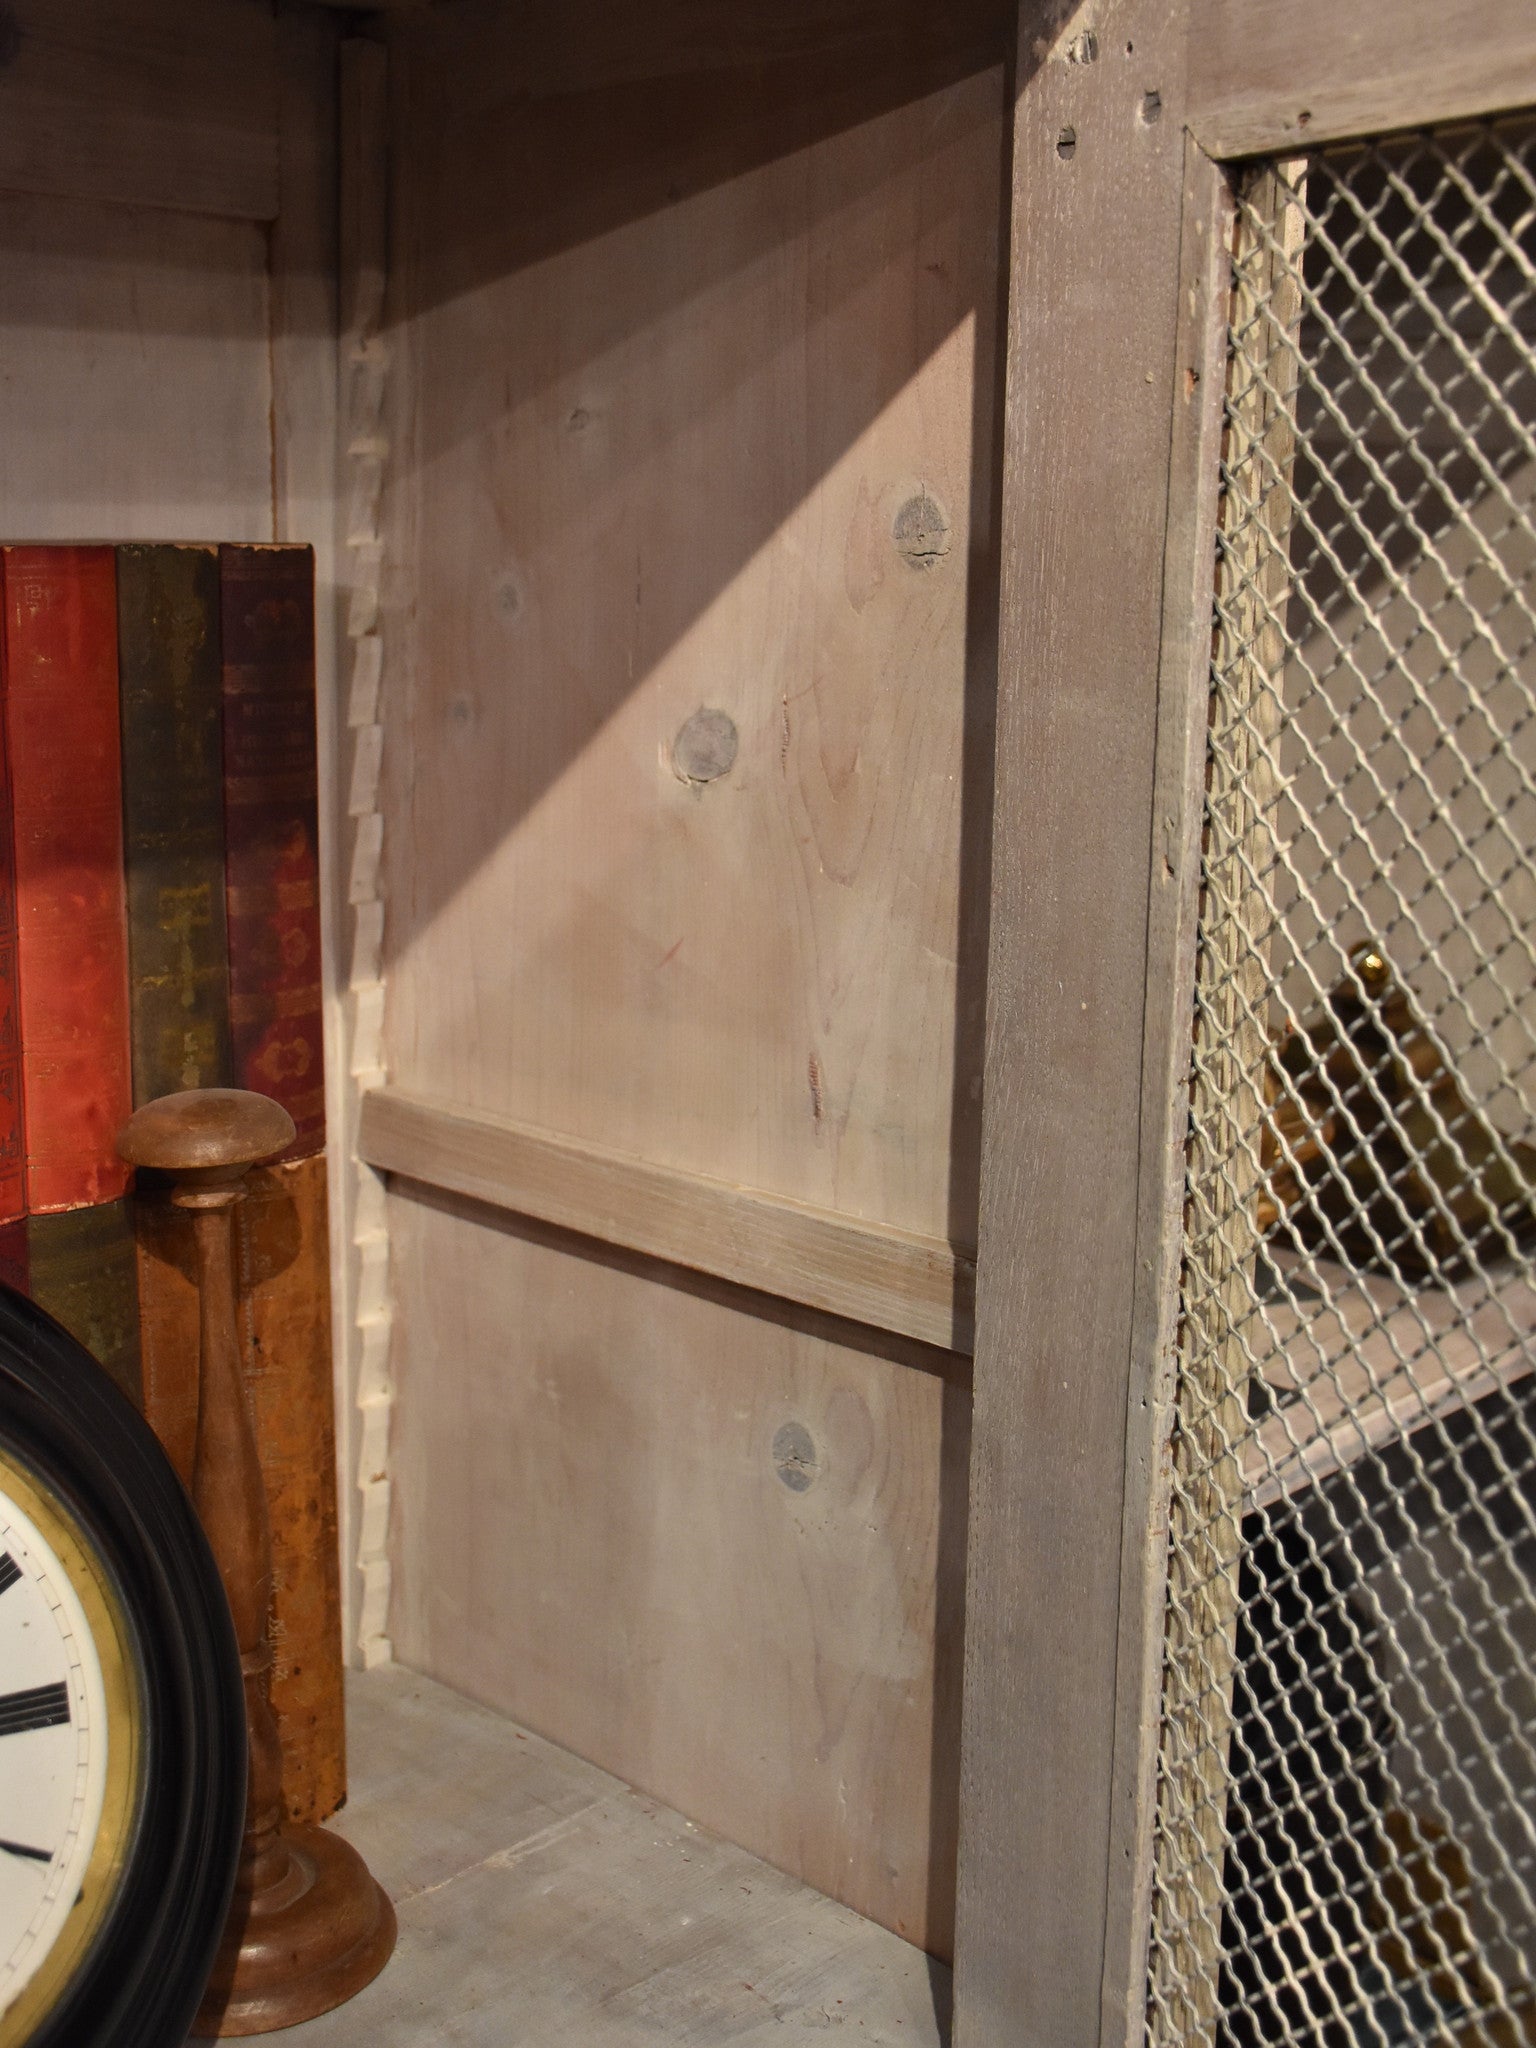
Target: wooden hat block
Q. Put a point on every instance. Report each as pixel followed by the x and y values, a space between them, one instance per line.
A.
pixel 309 1927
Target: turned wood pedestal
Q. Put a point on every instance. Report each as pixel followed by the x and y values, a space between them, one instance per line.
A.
pixel 309 1927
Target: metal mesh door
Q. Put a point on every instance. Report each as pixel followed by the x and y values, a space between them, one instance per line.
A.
pixel 1346 1838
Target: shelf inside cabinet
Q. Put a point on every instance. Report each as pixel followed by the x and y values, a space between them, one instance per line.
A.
pixel 542 1901
pixel 1368 1361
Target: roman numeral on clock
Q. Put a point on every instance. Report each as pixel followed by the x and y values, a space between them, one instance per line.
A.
pixel 40 1706
pixel 10 1571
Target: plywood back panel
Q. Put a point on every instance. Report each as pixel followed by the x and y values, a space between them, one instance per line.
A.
pixel 720 1552
pixel 686 746
pixel 718 459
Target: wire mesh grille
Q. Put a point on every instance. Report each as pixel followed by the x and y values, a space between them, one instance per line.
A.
pixel 1346 1834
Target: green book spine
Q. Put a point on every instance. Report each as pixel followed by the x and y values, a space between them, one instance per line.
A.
pixel 84 1272
pixel 173 817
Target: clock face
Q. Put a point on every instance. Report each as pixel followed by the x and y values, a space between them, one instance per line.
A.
pixel 68 1747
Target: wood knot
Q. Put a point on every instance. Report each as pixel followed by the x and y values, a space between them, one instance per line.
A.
pixel 794 1456
pixel 921 531
pixel 705 747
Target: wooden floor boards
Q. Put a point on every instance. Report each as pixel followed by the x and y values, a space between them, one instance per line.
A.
pixel 541 1902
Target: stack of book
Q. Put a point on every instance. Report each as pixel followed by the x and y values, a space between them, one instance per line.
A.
pixel 160 930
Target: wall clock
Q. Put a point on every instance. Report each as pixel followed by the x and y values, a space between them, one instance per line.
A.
pixel 122 1720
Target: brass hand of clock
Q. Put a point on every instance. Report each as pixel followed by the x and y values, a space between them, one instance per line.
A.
pixel 21 1849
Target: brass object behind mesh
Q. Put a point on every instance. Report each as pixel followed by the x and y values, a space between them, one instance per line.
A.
pixel 1429 1904
pixel 1371 1151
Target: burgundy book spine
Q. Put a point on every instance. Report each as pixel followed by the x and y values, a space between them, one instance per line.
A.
pixel 61 720
pixel 271 822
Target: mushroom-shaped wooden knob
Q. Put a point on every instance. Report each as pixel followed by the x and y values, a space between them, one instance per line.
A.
pixel 309 1926
pixel 212 1133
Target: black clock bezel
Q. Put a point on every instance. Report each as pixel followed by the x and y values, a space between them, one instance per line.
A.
pixel 139 1983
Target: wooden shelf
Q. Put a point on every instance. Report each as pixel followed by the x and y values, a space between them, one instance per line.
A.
pixel 541 1902
pixel 1371 1362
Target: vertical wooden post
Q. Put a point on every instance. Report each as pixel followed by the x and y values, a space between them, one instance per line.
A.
pixel 1093 376
pixel 309 1927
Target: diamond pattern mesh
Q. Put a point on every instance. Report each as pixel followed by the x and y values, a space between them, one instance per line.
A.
pixel 1346 1834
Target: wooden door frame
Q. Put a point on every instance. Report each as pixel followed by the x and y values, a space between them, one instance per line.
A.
pixel 1126 112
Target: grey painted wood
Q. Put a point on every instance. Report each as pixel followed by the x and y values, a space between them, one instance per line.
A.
pixel 1092 372
pixel 542 1904
pixel 1268 78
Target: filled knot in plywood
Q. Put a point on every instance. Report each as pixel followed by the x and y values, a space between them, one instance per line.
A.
pixel 705 747
pixel 921 531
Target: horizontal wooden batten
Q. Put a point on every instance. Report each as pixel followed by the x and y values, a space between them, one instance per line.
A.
pixel 868 1272
pixel 1265 78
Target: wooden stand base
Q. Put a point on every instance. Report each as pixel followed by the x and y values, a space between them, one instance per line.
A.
pixel 308 1926
pixel 302 1945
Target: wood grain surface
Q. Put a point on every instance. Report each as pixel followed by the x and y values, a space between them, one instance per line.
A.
pixel 1091 383
pixel 157 102
pixel 686 755
pixel 135 358
pixel 285 1327
pixel 723 459
pixel 1267 78
pixel 716 1553
pixel 542 1901
pixel 308 1925
pixel 892 1279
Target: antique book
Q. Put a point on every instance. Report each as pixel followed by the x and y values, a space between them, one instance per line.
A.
pixel 285 1324
pixel 13 1177
pixel 13 1254
pixel 58 676
pixel 271 823
pixel 81 1268
pixel 173 817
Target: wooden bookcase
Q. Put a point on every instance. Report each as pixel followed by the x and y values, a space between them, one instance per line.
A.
pixel 761 462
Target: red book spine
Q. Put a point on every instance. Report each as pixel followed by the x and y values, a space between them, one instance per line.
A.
pixel 61 719
pixel 13 1155
pixel 271 826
